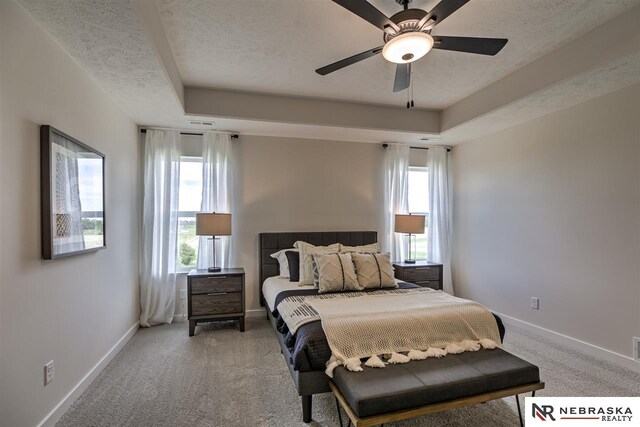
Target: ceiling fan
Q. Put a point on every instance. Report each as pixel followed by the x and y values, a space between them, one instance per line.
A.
pixel 407 37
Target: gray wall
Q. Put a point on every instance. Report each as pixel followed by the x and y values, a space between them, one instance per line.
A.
pixel 551 209
pixel 285 184
pixel 71 310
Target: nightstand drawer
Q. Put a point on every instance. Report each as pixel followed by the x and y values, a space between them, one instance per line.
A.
pixel 216 303
pixel 206 285
pixel 420 274
pixel 433 284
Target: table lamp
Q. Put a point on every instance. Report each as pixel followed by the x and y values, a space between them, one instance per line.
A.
pixel 213 224
pixel 409 224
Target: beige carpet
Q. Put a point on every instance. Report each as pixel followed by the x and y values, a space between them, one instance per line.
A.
pixel 221 377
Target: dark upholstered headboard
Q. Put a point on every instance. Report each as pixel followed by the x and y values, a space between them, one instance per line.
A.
pixel 273 242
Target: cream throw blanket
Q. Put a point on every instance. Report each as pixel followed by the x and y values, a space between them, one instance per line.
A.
pixel 422 324
pixel 296 311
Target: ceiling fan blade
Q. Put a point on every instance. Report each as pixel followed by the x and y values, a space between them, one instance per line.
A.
pixel 368 12
pixel 403 77
pixel 348 61
pixel 482 46
pixel 443 10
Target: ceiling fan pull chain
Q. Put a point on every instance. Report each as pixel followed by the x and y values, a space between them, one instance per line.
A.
pixel 409 91
pixel 411 86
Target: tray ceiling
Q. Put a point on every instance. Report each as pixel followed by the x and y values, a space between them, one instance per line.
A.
pixel 274 46
pixel 229 55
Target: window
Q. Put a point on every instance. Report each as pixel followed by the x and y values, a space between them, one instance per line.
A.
pixel 189 202
pixel 419 204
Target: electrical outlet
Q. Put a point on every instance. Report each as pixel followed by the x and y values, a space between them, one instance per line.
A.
pixel 636 348
pixel 48 372
pixel 535 303
pixel 183 294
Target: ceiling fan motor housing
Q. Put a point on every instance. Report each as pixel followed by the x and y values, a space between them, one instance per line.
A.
pixel 407 21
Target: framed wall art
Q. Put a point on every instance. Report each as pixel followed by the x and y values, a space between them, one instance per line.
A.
pixel 72 195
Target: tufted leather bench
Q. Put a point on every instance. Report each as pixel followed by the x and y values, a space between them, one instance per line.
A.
pixel 397 392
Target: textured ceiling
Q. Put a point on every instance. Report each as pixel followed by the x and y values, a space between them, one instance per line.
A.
pixel 274 46
pixel 107 39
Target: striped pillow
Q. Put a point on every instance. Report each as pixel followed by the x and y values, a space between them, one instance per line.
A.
pixel 374 270
pixel 335 273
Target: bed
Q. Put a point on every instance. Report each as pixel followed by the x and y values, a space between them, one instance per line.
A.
pixel 305 352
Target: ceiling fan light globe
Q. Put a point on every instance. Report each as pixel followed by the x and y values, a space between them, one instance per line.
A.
pixel 407 47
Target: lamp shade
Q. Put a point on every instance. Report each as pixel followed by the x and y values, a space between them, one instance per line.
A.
pixel 213 224
pixel 413 224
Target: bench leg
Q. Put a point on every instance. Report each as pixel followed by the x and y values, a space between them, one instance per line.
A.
pixel 533 394
pixel 339 413
pixel 306 408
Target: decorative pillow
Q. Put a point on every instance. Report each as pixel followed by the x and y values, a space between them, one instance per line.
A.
pixel 293 260
pixel 283 263
pixel 307 250
pixel 373 248
pixel 335 273
pixel 374 270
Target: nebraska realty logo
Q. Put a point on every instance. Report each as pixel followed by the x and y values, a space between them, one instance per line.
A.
pixel 582 411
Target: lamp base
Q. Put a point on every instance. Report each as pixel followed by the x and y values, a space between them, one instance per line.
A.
pixel 216 269
pixel 409 261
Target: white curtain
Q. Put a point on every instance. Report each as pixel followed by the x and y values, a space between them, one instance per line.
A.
pixel 439 227
pixel 159 227
pixel 217 189
pixel 396 176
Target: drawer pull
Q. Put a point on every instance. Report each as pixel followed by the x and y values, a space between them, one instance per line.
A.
pixel 218 277
pixel 423 268
pixel 216 293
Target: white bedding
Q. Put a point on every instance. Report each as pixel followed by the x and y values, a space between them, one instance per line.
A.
pixel 274 285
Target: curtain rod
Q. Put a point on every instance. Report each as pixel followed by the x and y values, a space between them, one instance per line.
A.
pixel 415 148
pixel 190 132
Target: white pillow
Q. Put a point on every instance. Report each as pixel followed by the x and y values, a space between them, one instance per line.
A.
pixel 307 250
pixel 283 263
pixel 372 248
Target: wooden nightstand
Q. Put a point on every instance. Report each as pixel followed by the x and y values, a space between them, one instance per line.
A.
pixel 423 273
pixel 215 296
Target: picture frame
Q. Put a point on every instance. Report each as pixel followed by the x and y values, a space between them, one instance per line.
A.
pixel 72 177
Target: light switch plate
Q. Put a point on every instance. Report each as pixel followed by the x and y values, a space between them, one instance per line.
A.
pixel 48 372
pixel 535 303
pixel 183 294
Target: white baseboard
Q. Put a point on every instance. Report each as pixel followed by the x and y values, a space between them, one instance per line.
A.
pixel 576 344
pixel 52 417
